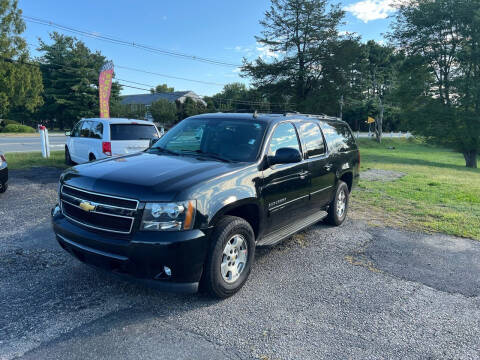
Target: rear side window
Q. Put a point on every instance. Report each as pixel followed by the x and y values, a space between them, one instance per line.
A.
pixel 311 135
pixel 339 137
pixel 284 136
pixel 132 132
pixel 85 129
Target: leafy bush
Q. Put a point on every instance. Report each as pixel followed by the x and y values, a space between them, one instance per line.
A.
pixel 8 122
pixel 18 128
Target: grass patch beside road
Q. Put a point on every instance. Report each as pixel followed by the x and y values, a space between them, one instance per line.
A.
pixel 438 193
pixel 23 160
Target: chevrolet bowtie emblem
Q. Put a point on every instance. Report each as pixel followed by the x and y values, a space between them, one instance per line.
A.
pixel 87 206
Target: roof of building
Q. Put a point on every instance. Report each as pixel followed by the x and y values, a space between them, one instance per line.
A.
pixel 148 99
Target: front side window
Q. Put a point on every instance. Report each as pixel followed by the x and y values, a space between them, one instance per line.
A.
pixel 228 139
pixel 76 129
pixel 311 135
pixel 284 136
pixel 133 132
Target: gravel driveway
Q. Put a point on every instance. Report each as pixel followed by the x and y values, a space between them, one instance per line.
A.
pixel 334 293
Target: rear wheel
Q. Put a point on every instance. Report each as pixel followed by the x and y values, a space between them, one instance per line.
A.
pixel 68 159
pixel 92 157
pixel 3 187
pixel 231 256
pixel 337 211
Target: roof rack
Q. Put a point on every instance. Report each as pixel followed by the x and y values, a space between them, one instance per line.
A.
pixel 316 116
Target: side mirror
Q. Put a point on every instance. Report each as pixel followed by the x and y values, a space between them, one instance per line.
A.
pixel 285 156
pixel 153 141
pixel 68 133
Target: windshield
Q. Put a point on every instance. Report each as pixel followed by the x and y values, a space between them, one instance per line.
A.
pixel 132 132
pixel 227 139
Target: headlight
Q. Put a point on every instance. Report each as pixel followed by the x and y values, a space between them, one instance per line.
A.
pixel 169 216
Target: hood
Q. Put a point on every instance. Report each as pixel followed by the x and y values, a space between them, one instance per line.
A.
pixel 146 176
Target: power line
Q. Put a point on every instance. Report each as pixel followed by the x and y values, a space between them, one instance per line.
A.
pixel 264 105
pixel 133 44
pixel 159 74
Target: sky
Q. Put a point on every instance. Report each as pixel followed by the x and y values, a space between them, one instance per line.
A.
pixel 223 30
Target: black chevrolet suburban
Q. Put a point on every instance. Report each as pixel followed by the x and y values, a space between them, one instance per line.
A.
pixel 191 209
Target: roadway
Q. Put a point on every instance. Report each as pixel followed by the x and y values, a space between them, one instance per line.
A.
pixel 30 143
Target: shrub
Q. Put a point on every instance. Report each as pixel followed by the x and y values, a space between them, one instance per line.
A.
pixel 18 128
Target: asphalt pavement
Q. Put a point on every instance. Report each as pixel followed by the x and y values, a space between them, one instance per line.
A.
pixel 30 143
pixel 351 292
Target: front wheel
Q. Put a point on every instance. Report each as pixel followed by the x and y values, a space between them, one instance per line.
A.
pixel 68 159
pixel 3 187
pixel 337 211
pixel 230 258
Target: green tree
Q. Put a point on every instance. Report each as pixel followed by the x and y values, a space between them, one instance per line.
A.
pixel 163 88
pixel 441 94
pixel 190 107
pixel 70 75
pixel 164 112
pixel 302 35
pixel 236 97
pixel 20 81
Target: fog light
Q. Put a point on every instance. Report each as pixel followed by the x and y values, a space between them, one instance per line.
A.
pixel 167 271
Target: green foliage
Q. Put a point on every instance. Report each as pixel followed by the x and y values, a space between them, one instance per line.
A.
pixel 18 128
pixel 190 107
pixel 164 112
pixel 20 82
pixel 236 97
pixel 70 74
pixel 439 85
pixel 163 88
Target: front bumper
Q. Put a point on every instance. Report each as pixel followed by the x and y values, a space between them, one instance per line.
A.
pixel 142 257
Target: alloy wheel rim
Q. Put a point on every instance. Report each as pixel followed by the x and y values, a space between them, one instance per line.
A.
pixel 341 203
pixel 234 258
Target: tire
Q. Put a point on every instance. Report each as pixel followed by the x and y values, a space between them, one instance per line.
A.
pixel 68 159
pixel 232 233
pixel 3 187
pixel 335 214
pixel 92 157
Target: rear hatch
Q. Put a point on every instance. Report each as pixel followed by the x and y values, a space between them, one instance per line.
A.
pixel 131 138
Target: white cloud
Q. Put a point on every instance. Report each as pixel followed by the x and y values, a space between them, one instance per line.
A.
pixel 265 52
pixel 368 10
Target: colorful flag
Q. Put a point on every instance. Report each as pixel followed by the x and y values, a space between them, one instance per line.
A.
pixel 104 88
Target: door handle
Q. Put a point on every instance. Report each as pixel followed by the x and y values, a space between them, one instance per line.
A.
pixel 303 175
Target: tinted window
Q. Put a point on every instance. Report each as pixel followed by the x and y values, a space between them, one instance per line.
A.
pixel 96 130
pixel 231 139
pixel 85 129
pixel 284 136
pixel 311 135
pixel 339 137
pixel 133 132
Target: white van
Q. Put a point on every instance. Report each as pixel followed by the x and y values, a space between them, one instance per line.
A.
pixel 98 138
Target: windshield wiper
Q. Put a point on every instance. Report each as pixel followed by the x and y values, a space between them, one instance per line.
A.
pixel 166 151
pixel 207 154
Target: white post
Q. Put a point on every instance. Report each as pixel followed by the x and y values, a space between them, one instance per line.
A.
pixel 47 143
pixel 44 141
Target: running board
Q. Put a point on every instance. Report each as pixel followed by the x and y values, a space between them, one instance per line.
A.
pixel 287 231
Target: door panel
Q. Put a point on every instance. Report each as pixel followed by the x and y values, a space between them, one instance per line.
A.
pixel 320 166
pixel 285 186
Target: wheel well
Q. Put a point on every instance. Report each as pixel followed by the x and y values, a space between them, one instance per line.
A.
pixel 348 179
pixel 91 157
pixel 248 212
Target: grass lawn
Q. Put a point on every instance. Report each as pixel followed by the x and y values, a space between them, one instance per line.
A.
pixel 438 192
pixel 22 160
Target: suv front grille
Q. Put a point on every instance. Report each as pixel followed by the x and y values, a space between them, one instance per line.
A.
pixel 98 211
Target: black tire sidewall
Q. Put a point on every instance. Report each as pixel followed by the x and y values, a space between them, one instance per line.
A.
pixel 226 228
pixel 68 159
